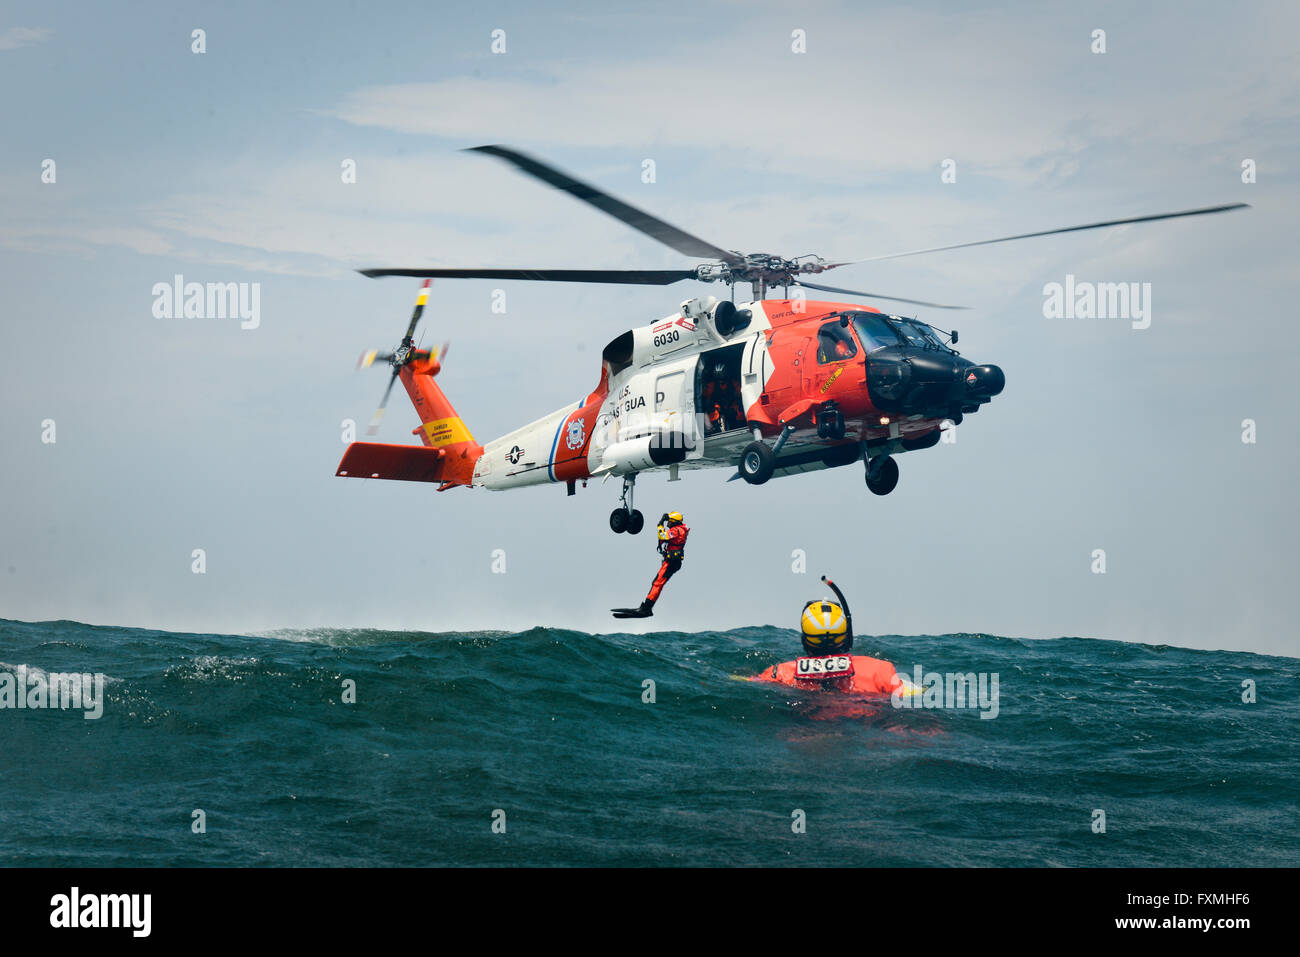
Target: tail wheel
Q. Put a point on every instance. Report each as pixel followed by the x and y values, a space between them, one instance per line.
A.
pixel 881 479
pixel 757 463
pixel 619 520
pixel 635 523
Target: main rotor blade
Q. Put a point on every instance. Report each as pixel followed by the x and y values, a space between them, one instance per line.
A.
pixel 1051 232
pixel 652 226
pixel 872 295
pixel 646 277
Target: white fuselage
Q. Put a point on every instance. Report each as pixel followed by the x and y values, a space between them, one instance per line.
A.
pixel 650 392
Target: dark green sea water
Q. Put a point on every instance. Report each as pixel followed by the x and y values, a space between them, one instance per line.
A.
pixel 549 726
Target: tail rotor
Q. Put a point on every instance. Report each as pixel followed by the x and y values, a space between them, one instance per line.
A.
pixel 404 354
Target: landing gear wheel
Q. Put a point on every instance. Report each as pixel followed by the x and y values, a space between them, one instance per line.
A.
pixel 625 518
pixel 882 479
pixel 757 462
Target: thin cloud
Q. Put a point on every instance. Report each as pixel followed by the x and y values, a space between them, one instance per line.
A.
pixel 856 119
pixel 15 37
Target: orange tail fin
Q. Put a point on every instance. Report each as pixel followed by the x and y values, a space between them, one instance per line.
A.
pixel 449 452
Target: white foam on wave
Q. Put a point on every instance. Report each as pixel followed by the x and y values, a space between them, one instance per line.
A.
pixel 211 666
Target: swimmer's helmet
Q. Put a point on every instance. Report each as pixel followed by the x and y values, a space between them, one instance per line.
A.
pixel 825 628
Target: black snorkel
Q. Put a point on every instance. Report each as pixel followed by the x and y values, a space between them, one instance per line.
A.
pixel 848 615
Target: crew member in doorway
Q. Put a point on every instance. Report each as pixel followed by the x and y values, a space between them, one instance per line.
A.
pixel 720 400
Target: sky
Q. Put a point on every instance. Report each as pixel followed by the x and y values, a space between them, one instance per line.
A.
pixel 226 166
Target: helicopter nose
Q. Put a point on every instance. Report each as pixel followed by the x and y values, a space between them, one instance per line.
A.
pixel 984 381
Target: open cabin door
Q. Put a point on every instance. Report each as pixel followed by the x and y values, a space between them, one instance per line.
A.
pixel 718 385
pixel 674 408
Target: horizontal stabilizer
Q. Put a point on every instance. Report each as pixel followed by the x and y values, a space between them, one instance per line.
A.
pixel 405 463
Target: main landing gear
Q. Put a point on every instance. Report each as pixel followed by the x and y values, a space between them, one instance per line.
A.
pixel 758 459
pixel 757 462
pixel 625 518
pixel 882 474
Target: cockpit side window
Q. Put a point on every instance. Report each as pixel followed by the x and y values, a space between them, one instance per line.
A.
pixel 835 343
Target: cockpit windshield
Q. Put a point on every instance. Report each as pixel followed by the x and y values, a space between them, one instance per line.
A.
pixel 873 331
pixel 918 334
pixel 876 330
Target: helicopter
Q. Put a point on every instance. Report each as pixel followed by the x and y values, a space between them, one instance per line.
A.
pixel 768 387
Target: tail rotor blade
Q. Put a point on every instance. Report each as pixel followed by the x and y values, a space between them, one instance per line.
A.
pixel 368 359
pixel 433 355
pixel 420 300
pixel 379 412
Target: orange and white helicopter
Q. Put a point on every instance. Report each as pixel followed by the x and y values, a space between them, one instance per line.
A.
pixel 768 387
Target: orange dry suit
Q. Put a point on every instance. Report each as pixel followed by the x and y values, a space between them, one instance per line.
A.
pixel 672 546
pixel 870 676
pixel 721 403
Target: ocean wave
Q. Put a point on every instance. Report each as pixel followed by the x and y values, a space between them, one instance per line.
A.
pixel 371 746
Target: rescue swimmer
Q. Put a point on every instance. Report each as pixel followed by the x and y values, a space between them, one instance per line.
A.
pixel 672 546
pixel 826 631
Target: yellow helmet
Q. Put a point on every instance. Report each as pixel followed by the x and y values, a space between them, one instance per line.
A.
pixel 825 628
pixel 675 517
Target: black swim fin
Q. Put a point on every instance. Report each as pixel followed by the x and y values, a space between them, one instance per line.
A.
pixel 645 611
